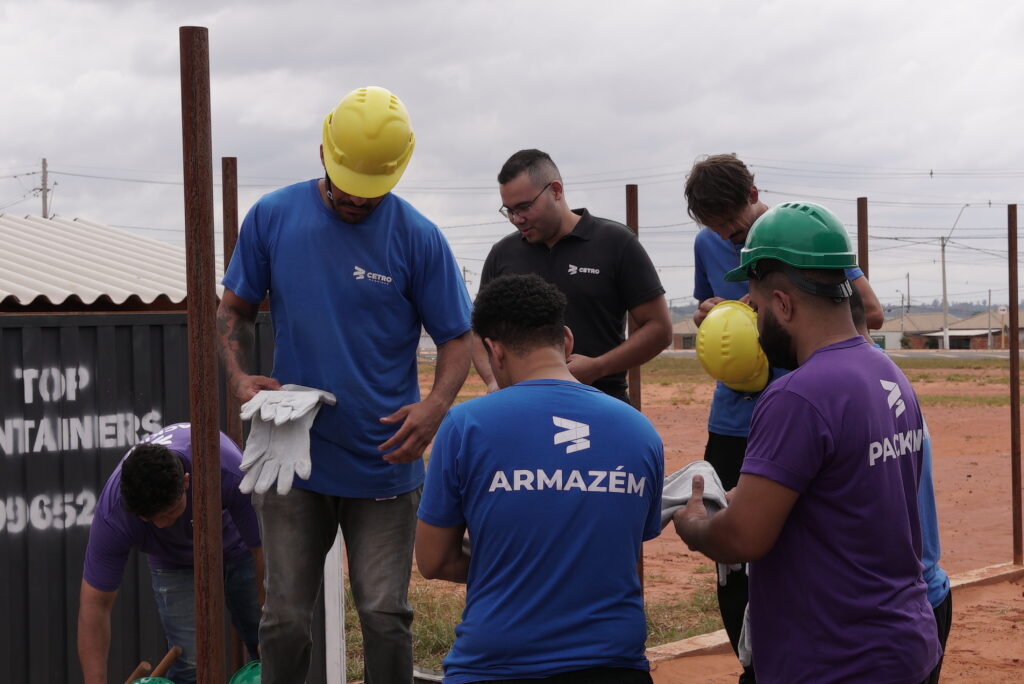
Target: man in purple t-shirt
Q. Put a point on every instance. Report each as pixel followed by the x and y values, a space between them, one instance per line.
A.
pixel 146 504
pixel 826 506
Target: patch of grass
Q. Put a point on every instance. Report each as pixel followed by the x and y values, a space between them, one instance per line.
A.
pixel 960 400
pixel 704 569
pixel 923 362
pixel 669 621
pixel 669 370
pixel 438 611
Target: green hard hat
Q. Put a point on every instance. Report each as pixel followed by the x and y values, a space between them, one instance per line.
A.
pixel 249 673
pixel 800 234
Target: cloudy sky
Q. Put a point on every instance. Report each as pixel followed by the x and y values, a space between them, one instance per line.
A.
pixel 915 105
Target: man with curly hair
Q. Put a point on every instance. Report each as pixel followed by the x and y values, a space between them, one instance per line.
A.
pixel 146 505
pixel 558 485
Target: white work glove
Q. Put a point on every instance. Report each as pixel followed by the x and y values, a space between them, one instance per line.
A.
pixel 278 444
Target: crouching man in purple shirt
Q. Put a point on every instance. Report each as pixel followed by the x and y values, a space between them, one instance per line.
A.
pixel 146 504
pixel 826 508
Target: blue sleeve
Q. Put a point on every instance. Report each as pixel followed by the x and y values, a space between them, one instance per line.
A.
pixel 701 285
pixel 652 528
pixel 854 273
pixel 441 504
pixel 248 274
pixel 441 297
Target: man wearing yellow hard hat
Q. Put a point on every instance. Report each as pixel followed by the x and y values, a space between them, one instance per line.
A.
pixel 722 197
pixel 353 273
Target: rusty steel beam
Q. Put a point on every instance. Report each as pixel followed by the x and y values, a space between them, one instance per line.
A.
pixel 633 374
pixel 862 234
pixel 229 202
pixel 633 221
pixel 197 157
pixel 232 419
pixel 1015 483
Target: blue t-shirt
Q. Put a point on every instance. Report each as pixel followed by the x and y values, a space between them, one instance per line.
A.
pixel 115 531
pixel 558 485
pixel 713 258
pixel 348 302
pixel 840 596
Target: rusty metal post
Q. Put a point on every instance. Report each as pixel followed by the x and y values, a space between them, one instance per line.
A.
pixel 229 201
pixel 232 421
pixel 633 221
pixel 197 157
pixel 633 374
pixel 862 234
pixel 1015 482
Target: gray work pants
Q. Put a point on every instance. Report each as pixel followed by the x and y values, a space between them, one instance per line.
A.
pixel 298 530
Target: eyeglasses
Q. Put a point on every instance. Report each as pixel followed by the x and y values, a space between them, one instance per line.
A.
pixel 523 207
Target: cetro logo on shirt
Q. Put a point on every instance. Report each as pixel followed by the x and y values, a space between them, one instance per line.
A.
pixel 361 273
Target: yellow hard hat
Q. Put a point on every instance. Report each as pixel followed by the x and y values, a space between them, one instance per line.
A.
pixel 368 142
pixel 728 349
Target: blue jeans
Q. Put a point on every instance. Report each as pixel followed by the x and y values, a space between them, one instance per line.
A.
pixel 298 530
pixel 175 600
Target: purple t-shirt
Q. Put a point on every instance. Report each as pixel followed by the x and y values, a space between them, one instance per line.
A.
pixel 840 597
pixel 115 531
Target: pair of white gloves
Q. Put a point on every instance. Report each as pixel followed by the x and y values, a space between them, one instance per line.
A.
pixel 278 444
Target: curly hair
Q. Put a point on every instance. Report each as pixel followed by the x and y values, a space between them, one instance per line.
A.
pixel 522 312
pixel 717 188
pixel 152 480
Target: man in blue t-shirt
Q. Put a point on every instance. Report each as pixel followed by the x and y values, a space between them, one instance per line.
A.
pixel 354 273
pixel 558 485
pixel 721 195
pixel 825 510
pixel 146 504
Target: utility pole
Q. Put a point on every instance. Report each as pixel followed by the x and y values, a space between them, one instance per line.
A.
pixel 945 300
pixel 46 211
pixel 989 324
pixel 908 294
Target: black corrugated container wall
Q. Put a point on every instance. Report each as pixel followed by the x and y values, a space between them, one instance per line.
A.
pixel 76 391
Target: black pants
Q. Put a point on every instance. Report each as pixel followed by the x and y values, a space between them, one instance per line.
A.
pixel 943 620
pixel 596 675
pixel 725 454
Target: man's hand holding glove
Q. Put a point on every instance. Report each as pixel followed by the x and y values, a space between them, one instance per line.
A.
pixel 278 444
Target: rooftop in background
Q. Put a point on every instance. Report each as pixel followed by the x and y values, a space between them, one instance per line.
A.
pixel 916 323
pixel 59 264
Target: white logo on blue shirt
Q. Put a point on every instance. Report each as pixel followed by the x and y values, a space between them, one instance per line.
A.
pixel 573 432
pixel 895 396
pixel 362 274
pixel 573 270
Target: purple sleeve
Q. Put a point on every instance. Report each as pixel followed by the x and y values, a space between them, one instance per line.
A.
pixel 237 504
pixel 248 274
pixel 441 505
pixel 788 440
pixel 106 555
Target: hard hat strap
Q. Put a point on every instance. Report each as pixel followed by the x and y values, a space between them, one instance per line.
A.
pixel 837 291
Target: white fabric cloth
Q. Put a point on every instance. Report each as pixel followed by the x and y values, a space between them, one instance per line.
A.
pixel 677 491
pixel 743 646
pixel 278 445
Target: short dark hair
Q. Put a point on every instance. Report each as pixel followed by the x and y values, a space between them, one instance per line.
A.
pixel 717 188
pixel 523 312
pixel 152 480
pixel 538 165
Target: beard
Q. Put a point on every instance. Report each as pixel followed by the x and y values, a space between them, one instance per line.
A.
pixel 777 343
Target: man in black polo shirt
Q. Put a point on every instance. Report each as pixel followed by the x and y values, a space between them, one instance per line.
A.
pixel 598 264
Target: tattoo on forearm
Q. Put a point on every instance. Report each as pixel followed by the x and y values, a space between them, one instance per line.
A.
pixel 237 338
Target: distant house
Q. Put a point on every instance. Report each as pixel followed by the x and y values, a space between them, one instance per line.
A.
pixel 974 332
pixel 684 334
pixel 916 328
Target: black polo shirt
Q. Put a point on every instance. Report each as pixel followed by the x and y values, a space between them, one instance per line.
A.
pixel 600 267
